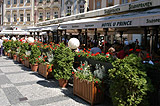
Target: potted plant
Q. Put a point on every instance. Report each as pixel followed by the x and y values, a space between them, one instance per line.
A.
pixel 129 82
pixel 26 60
pixel 33 59
pixel 88 84
pixel 45 66
pixel 63 63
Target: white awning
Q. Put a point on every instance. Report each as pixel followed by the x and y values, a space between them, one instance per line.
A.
pixel 132 19
pixel 50 27
pixel 14 32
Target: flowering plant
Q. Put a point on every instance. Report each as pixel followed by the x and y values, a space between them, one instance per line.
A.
pixel 84 72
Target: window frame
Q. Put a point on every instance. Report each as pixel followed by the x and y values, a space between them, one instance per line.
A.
pixel 21 17
pixel 15 17
pixel 28 17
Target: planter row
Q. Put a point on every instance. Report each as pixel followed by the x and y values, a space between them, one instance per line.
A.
pixel 82 88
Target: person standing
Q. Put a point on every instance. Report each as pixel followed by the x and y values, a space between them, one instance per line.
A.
pixel 1 47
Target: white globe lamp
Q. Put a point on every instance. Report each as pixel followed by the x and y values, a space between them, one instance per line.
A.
pixel 13 38
pixel 30 40
pixel 73 43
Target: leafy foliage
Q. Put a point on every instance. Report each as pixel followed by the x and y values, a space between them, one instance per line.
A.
pixel 63 62
pixel 129 83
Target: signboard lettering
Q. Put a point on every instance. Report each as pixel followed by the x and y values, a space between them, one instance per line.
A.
pixel 152 20
pixel 113 10
pixel 89 25
pixel 117 24
pixel 140 5
pixel 75 26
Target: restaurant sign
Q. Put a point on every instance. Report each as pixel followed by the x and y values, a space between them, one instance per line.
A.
pixel 117 24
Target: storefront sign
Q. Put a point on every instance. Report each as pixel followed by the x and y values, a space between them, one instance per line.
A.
pixel 140 5
pixel 113 10
pixel 152 20
pixel 92 25
pixel 117 24
pixel 75 26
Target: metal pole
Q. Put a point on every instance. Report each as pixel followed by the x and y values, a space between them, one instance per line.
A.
pixel 145 36
pixel 65 42
pixel 48 36
pixel 156 40
pixel 53 36
pixel 121 35
pixel 86 38
pixel 57 37
pixel 95 37
pixel 106 31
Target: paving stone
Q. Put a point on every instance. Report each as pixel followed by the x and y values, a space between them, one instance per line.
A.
pixel 1 71
pixel 25 83
pixel 11 69
pixel 13 95
pixel 3 99
pixel 36 92
pixel 22 104
pixel 22 77
pixel 4 80
pixel 7 85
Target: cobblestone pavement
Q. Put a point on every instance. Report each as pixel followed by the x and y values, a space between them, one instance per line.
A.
pixel 19 86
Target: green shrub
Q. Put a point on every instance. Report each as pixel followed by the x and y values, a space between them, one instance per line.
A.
pixel 129 82
pixel 63 62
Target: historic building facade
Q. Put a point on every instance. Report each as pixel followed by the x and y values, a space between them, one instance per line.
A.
pixel 72 7
pixel 1 13
pixel 19 13
pixel 98 4
pixel 46 10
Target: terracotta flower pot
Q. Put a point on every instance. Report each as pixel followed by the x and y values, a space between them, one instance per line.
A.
pixel 5 53
pixel 14 57
pixel 34 67
pixel 62 83
pixel 23 62
pixel 8 54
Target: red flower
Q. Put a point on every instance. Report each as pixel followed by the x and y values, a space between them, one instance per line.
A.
pixel 83 64
pixel 148 57
pixel 78 55
pixel 43 59
pixel 147 54
pixel 39 56
pixel 99 91
pixel 107 56
pixel 55 48
pixel 126 55
pixel 72 72
pixel 96 82
pixel 138 50
pixel 102 52
pixel 87 55
pixel 84 48
pixel 81 69
pixel 92 54
pixel 37 46
pixel 107 53
pixel 131 49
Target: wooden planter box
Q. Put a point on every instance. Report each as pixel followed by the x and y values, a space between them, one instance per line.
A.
pixel 43 70
pixel 87 91
pixel 26 63
pixel 14 57
pixel 18 58
pixel 10 55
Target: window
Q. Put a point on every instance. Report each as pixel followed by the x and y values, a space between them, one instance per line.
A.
pixel 28 17
pixel 48 15
pixel 21 1
pixel 55 14
pixel 48 1
pixel 15 17
pixel 28 1
pixel 21 17
pixel 55 0
pixel 15 1
pixel 68 10
pixel 8 18
pixel 81 8
pixel 40 16
pixel 98 5
pixel 9 2
pixel 40 1
pixel 110 2
pixel 124 1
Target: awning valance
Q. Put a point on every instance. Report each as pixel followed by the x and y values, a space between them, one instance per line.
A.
pixel 14 32
pixel 132 19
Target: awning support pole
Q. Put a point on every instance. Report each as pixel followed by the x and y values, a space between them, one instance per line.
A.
pixel 151 40
pixel 34 36
pixel 38 35
pixel 145 36
pixel 156 40
pixel 53 36
pixel 86 38
pixel 121 35
pixel 57 37
pixel 95 37
pixel 48 36
pixel 65 35
pixel 105 35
